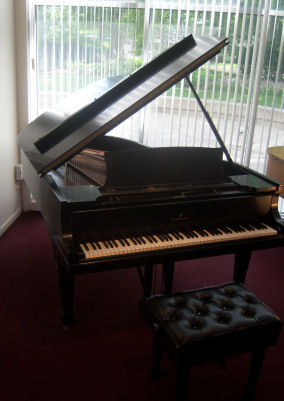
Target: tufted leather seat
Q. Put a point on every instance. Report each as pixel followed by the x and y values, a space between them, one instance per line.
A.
pixel 211 324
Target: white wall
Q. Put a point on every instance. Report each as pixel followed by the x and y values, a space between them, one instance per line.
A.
pixel 21 38
pixel 10 199
pixel 22 61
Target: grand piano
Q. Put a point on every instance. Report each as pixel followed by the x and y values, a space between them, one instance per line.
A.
pixel 111 203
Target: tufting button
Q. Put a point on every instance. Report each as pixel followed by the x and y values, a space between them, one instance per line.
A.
pixel 250 299
pixel 223 318
pixel 204 297
pixel 248 311
pixel 170 314
pixel 228 291
pixel 226 304
pixel 201 309
pixel 180 302
pixel 196 323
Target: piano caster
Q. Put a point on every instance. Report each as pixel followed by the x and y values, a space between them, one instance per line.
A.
pixel 67 320
pixel 146 279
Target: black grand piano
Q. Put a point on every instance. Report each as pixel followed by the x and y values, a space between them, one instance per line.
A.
pixel 111 203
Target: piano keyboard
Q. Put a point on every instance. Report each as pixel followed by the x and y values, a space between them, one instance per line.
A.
pixel 149 240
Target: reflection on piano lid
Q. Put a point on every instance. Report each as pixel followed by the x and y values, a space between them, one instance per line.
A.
pixel 150 167
pixel 53 139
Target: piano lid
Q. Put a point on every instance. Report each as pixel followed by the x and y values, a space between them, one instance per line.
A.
pixel 58 134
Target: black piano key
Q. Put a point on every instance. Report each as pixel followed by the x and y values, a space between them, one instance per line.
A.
pixel 141 238
pixel 240 228
pixel 173 233
pixel 179 235
pixel 248 227
pixel 113 240
pixel 235 227
pixel 125 240
pixel 122 243
pixel 98 245
pixel 211 230
pixel 149 239
pixel 160 237
pixel 183 232
pixel 176 233
pixel 167 235
pixel 137 239
pixel 194 234
pixel 164 236
pixel 133 240
pixel 105 244
pixel 186 234
pixel 201 231
pixel 89 246
pixel 152 236
pixel 190 232
pixel 257 225
pixel 224 228
pixel 109 243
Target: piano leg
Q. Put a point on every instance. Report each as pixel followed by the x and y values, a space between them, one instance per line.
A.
pixel 66 287
pixel 148 276
pixel 168 276
pixel 242 259
pixel 146 280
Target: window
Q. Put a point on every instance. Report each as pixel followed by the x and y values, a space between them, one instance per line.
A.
pixel 74 43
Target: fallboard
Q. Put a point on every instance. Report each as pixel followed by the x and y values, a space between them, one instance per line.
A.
pixel 137 217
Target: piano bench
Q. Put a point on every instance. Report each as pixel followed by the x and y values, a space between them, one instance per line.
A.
pixel 210 324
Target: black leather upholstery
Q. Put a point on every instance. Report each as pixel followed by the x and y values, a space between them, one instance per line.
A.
pixel 210 314
pixel 211 324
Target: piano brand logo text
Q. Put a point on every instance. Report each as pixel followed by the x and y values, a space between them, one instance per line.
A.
pixel 180 217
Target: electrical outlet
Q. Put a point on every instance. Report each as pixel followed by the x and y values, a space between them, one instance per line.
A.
pixel 19 172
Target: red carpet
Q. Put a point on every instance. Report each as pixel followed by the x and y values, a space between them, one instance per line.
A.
pixel 106 355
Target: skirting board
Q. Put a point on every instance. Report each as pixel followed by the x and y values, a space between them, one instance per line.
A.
pixel 10 221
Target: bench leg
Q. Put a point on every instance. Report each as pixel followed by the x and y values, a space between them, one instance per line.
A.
pixel 168 276
pixel 156 356
pixel 66 287
pixel 256 362
pixel 181 380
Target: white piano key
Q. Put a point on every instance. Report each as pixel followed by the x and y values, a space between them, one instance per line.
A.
pixel 170 238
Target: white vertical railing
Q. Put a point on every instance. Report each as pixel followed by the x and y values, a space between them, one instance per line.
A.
pixel 256 78
pixel 235 118
pixel 80 41
pixel 273 120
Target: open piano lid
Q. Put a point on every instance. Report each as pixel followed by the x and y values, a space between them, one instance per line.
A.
pixel 58 134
